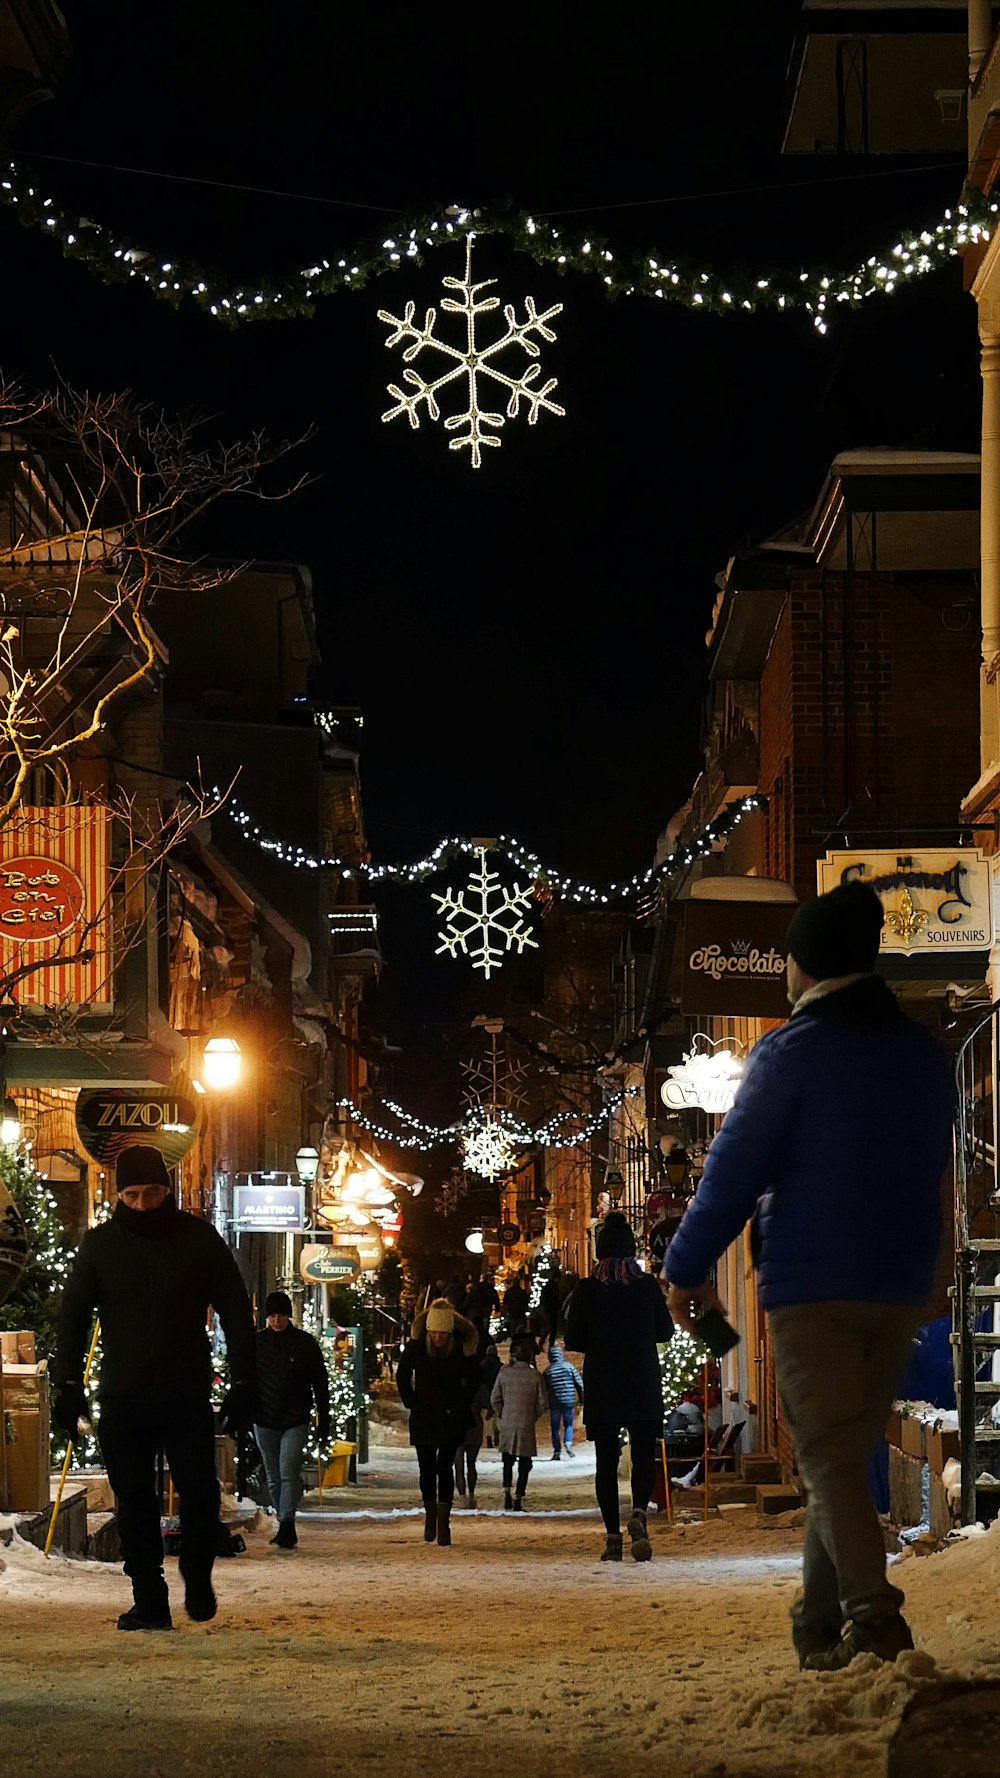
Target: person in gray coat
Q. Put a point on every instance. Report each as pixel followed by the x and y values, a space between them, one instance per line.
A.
pixel 518 1400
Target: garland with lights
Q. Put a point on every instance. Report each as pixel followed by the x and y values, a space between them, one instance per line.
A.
pixel 543 876
pixel 428 1136
pixel 541 1272
pixel 118 259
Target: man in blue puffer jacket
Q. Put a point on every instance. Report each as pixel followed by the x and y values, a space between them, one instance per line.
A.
pixel 836 1145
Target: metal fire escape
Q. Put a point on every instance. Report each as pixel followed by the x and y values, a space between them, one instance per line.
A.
pixel 975 1293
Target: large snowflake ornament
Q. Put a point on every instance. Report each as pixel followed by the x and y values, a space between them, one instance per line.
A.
pixel 491 926
pixel 472 363
pixel 488 1149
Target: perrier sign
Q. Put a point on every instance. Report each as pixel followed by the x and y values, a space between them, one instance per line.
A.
pixel 114 1118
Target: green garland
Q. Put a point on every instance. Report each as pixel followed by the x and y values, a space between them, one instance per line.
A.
pixel 118 259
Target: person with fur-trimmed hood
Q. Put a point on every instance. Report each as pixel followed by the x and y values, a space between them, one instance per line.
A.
pixel 518 1400
pixel 437 1377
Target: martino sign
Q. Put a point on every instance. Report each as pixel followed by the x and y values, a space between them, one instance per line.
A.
pixel 734 958
pixel 269 1204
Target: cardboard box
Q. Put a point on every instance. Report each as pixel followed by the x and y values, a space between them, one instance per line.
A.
pixel 3 1452
pixel 942 1445
pixel 914 1442
pixel 26 1386
pixel 17 1348
pixel 27 1459
pixel 894 1429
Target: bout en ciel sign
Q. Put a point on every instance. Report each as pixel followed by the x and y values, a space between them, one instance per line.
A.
pixel 734 958
pixel 936 901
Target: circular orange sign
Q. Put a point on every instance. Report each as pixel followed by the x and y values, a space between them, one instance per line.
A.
pixel 40 899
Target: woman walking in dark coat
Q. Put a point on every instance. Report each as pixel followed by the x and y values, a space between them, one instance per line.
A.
pixel 437 1377
pixel 616 1318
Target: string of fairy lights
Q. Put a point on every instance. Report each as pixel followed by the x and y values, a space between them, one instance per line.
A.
pixel 559 1131
pixel 521 857
pixel 117 258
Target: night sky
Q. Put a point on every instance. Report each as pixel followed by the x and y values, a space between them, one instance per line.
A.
pixel 526 641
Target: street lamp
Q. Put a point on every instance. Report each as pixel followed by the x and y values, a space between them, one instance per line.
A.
pixel 10 1123
pixel 676 1166
pixel 614 1185
pixel 221 1063
pixel 307 1163
pixel 474 1241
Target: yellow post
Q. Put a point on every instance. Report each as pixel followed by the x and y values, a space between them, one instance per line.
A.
pixel 666 1482
pixel 704 1509
pixel 49 1535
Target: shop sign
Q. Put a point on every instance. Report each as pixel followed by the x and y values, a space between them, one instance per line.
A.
pixel 266 1208
pixel 328 1265
pixel 54 906
pixel 706 1080
pixel 734 959
pixel 935 901
pixel 114 1118
pixel 367 1243
pixel 509 1234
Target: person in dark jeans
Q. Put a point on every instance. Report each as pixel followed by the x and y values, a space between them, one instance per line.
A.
pixel 437 1377
pixel 152 1273
pixel 617 1317
pixel 291 1377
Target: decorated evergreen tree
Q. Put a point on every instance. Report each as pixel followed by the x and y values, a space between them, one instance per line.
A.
pixel 34 1301
pixel 682 1368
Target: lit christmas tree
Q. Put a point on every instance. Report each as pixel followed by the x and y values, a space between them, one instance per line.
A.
pixel 682 1368
pixel 34 1301
pixel 540 1274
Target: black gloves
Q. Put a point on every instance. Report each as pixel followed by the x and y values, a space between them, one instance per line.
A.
pixel 69 1405
pixel 238 1408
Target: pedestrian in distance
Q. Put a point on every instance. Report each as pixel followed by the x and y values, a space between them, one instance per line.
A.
pixel 483 1302
pixel 152 1273
pixel 515 1305
pixel 836 1145
pixel 291 1380
pixel 468 1451
pixel 437 1377
pixel 564 1388
pixel 518 1400
pixel 617 1317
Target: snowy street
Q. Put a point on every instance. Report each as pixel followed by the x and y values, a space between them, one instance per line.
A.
pixel 366 1650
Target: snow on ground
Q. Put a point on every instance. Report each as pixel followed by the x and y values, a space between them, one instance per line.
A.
pixel 366 1651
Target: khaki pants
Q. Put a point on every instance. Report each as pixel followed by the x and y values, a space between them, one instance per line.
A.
pixel 838 1366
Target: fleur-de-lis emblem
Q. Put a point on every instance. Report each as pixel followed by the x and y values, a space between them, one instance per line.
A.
pixel 907 920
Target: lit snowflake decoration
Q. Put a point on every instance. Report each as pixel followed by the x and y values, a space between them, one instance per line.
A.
pixel 488 1149
pixel 471 364
pixel 484 920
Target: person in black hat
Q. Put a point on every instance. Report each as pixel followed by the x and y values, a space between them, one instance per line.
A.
pixel 153 1273
pixel 291 1377
pixel 617 1317
pixel 836 1145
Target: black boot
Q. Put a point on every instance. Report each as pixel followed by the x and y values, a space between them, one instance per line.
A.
pixel 612 1551
pixel 138 1619
pixel 199 1596
pixel 519 1503
pixel 287 1536
pixel 638 1530
pixel 430 1521
pixel 444 1525
pixel 151 1610
pixel 885 1637
pixel 508 1500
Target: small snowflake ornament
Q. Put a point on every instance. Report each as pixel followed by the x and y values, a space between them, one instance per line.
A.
pixel 491 926
pixel 488 1149
pixel 469 365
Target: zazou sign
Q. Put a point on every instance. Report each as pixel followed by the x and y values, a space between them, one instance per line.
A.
pixel 706 1080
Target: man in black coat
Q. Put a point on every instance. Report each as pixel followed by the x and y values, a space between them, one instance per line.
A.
pixel 291 1376
pixel 153 1273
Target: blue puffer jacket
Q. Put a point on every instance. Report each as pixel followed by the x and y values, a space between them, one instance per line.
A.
pixel 838 1139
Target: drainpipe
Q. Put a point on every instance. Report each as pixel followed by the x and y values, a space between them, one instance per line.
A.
pixel 980 36
pixel 990 548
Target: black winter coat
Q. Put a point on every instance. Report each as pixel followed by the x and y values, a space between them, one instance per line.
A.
pixel 152 1277
pixel 438 1391
pixel 617 1327
pixel 291 1375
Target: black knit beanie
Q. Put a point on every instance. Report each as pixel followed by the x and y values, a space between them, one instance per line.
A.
pixel 141 1165
pixel 278 1303
pixel 615 1239
pixel 838 933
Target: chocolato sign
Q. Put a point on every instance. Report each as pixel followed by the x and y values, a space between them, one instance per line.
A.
pixel 114 1118
pixel 734 958
pixel 937 901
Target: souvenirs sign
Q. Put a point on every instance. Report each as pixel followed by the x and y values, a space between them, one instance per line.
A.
pixel 734 958
pixel 935 901
pixel 114 1118
pixel 54 906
